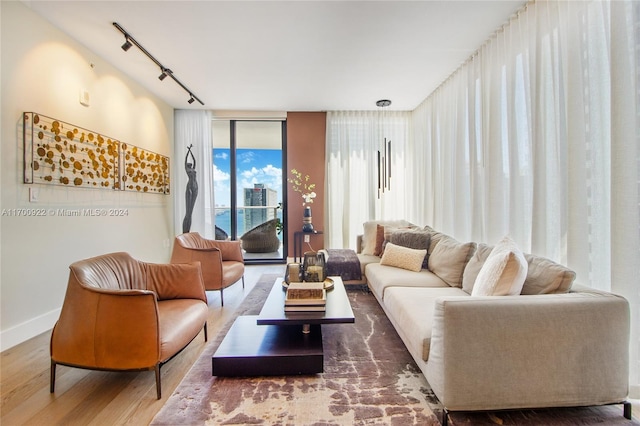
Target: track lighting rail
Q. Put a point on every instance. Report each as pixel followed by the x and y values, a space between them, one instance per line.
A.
pixel 165 72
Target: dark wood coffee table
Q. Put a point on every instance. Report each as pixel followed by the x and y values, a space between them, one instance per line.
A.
pixel 276 342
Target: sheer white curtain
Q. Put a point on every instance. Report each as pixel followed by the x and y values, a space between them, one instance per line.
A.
pixel 351 194
pixel 192 127
pixel 538 136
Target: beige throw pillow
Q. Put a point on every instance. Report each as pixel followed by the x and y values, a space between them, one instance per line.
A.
pixel 414 239
pixel 546 276
pixel 504 271
pixel 403 257
pixel 448 259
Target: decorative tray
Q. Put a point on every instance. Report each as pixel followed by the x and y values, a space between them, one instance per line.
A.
pixel 328 284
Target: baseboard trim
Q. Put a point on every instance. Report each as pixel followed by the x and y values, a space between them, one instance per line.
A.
pixel 28 329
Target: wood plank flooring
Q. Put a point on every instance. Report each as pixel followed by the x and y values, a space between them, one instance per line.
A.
pixel 86 397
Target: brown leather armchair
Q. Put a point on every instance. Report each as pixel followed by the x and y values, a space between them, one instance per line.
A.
pixel 122 314
pixel 222 261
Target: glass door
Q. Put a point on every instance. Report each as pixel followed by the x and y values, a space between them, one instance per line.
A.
pixel 248 186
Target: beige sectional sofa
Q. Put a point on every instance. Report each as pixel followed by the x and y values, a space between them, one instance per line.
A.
pixel 552 344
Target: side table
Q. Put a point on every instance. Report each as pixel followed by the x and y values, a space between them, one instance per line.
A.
pixel 297 243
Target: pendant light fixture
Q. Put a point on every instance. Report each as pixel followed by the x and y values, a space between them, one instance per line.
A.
pixel 384 153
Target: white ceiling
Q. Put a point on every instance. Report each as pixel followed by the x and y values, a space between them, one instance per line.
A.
pixel 286 55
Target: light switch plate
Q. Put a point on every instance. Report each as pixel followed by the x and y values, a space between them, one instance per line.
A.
pixel 33 195
pixel 84 97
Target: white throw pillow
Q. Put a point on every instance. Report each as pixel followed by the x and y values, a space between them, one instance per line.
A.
pixel 403 257
pixel 504 271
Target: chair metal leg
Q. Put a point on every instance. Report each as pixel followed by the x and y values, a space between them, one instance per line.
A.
pixel 445 417
pixel 205 332
pixel 221 297
pixel 158 388
pixel 243 281
pixel 52 382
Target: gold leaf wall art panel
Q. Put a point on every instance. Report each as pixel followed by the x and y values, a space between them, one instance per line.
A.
pixel 60 153
pixel 144 171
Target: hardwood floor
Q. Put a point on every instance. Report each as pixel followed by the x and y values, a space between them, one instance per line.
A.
pixel 86 397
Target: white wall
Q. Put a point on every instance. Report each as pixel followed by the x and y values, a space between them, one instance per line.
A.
pixel 43 70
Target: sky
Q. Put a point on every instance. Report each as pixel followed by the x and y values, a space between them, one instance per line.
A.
pixel 254 166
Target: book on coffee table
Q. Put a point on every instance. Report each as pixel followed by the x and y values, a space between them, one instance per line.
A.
pixel 307 308
pixel 305 297
pixel 306 290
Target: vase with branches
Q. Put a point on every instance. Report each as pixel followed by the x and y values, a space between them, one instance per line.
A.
pixel 301 183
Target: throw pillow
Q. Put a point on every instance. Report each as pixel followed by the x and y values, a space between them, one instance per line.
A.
pixel 545 276
pixel 474 266
pixel 435 239
pixel 370 231
pixel 403 257
pixel 504 271
pixel 448 259
pixel 414 239
pixel 377 251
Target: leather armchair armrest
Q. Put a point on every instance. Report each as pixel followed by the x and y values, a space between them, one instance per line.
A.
pixel 111 329
pixel 127 329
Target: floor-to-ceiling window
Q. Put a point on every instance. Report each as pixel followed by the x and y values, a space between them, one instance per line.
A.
pixel 248 159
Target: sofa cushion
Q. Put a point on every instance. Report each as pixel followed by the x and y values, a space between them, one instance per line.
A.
pixel 545 276
pixel 415 239
pixel 411 309
pixel 474 265
pixel 366 259
pixel 449 258
pixel 504 271
pixel 380 277
pixel 403 257
pixel 370 230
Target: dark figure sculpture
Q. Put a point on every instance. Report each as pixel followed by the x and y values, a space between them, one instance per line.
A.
pixel 192 189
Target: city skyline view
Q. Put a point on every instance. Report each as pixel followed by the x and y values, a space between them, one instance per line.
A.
pixel 254 166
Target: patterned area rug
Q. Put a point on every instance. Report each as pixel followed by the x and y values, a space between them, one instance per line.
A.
pixel 369 379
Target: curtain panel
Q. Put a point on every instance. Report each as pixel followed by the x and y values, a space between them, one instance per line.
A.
pixel 352 196
pixel 192 127
pixel 538 136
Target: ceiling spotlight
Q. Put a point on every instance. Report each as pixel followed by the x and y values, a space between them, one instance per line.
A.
pixel 191 99
pixel 127 44
pixel 165 73
pixel 383 103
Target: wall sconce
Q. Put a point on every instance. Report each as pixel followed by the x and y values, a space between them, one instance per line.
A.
pixel 130 41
